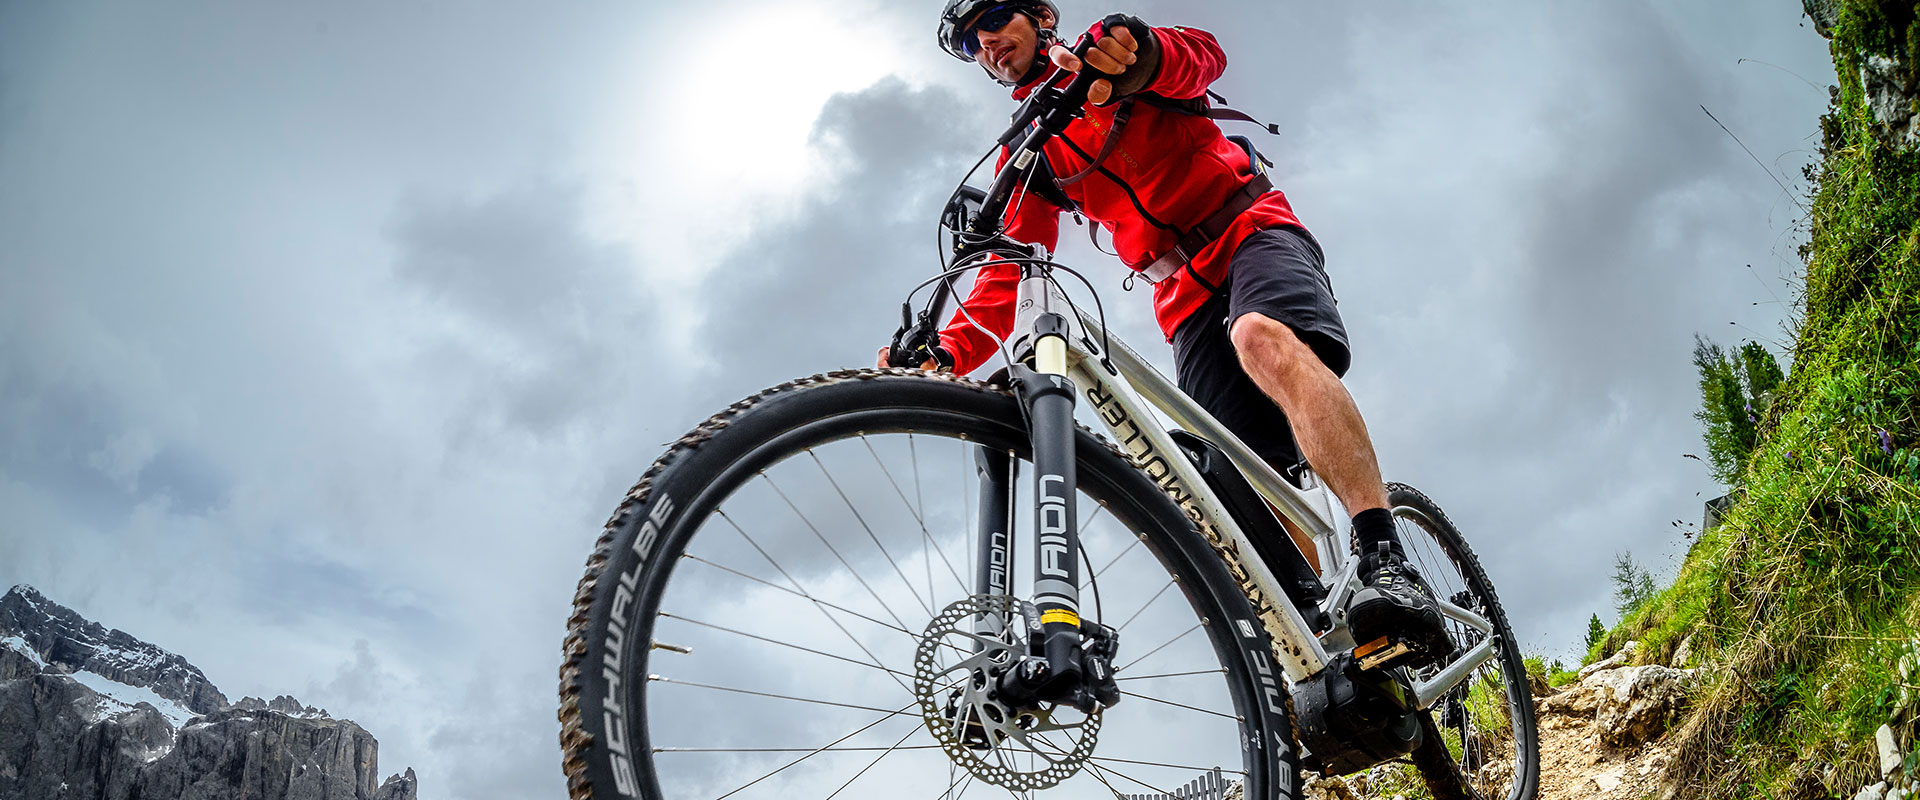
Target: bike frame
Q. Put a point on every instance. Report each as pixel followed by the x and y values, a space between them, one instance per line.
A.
pixel 1122 389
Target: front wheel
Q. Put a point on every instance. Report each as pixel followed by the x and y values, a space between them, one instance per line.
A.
pixel 1481 743
pixel 789 604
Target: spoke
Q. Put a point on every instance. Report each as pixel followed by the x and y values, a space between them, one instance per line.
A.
pixel 822 604
pixel 862 729
pixel 948 794
pixel 913 454
pixel 967 784
pixel 678 682
pixel 1097 769
pixel 725 629
pixel 1000 755
pixel 1118 774
pixel 1143 609
pixel 1116 560
pixel 802 589
pixel 1219 671
pixel 1169 766
pixel 1104 782
pixel 870 765
pixel 869 529
pixel 1183 635
pixel 791 749
pixel 815 600
pixel 918 516
pixel 1179 705
pixel 836 552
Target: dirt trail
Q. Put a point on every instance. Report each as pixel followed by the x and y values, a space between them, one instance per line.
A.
pixel 1574 764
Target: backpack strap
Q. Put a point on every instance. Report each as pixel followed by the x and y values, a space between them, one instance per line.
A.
pixel 1045 184
pixel 1205 233
pixel 1204 107
pixel 1120 118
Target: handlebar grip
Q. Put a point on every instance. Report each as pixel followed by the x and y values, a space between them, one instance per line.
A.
pixel 1076 91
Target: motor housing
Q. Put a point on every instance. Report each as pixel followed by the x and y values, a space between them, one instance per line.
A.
pixel 1350 719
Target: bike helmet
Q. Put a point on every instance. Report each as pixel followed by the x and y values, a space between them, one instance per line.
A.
pixel 960 14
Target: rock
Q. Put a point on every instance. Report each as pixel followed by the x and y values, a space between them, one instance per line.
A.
pixel 293 708
pixel 65 639
pixel 102 740
pixel 241 753
pixel 1890 95
pixel 1330 788
pixel 1638 703
pixel 1877 791
pixel 1825 15
pixel 1890 756
pixel 403 787
pixel 1904 705
pixel 1616 660
pixel 1608 781
pixel 1682 655
pixel 1898 793
pixel 1577 700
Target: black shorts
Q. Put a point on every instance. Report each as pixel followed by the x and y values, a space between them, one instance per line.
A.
pixel 1277 273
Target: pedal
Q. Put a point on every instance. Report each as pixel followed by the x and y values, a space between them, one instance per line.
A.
pixel 1383 652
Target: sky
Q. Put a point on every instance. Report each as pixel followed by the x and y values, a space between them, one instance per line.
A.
pixel 329 334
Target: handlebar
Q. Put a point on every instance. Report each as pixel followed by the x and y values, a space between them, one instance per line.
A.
pixel 1053 109
pixel 1045 114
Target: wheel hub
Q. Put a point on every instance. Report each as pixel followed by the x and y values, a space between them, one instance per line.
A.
pixel 957 672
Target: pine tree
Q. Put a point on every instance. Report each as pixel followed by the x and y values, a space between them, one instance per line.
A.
pixel 1595 631
pixel 1632 584
pixel 1736 388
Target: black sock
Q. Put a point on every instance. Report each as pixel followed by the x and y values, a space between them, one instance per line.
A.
pixel 1373 526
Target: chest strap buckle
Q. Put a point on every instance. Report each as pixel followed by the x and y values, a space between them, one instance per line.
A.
pixel 1210 229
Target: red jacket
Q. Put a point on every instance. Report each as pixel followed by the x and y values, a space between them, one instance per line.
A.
pixel 1182 168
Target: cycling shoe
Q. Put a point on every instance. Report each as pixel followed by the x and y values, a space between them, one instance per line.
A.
pixel 1394 618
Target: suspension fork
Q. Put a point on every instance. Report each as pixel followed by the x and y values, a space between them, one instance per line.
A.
pixel 997 472
pixel 1048 396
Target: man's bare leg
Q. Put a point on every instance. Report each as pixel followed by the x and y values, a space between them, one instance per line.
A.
pixel 1393 616
pixel 1326 422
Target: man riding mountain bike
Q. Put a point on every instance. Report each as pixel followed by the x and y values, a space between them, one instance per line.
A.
pixel 1238 284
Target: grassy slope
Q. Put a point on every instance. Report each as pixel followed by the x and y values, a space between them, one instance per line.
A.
pixel 1805 598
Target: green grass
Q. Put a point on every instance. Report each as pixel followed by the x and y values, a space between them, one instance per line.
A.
pixel 1803 601
pixel 1551 674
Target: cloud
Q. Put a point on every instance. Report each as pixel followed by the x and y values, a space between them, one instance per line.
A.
pixel 819 288
pixel 328 338
pixel 543 318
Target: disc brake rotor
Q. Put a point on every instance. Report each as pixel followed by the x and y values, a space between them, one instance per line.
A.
pixel 955 674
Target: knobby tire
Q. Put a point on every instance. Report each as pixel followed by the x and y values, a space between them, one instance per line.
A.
pixel 1482 740
pixel 610 646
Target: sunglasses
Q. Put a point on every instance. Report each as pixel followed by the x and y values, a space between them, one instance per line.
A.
pixel 992 21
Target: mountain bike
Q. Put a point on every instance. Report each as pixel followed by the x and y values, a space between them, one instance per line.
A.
pixel 892 582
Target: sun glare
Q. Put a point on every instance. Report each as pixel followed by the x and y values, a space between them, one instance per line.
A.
pixel 745 109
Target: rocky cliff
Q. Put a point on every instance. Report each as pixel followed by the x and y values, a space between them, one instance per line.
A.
pixel 88 713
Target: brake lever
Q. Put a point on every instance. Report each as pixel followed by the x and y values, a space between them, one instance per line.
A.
pixel 913 342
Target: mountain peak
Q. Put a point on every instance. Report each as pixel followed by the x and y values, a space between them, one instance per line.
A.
pixel 115 718
pixel 63 638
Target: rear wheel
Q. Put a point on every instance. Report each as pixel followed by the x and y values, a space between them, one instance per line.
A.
pixel 785 606
pixel 1481 742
